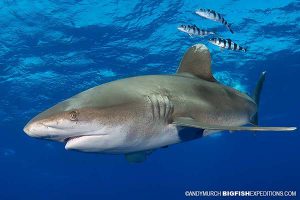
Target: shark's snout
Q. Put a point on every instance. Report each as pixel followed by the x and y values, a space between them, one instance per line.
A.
pixel 38 129
pixel 59 124
pixel 26 129
pixel 33 129
pixel 42 130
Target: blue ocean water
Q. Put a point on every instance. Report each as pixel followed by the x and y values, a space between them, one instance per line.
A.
pixel 51 50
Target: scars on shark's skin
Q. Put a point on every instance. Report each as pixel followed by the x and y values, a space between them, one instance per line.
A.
pixel 135 116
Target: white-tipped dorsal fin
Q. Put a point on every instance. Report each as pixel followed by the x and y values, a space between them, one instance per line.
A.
pixel 197 61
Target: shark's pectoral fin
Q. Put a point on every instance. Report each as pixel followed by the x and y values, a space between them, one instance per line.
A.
pixel 197 61
pixel 137 157
pixel 189 122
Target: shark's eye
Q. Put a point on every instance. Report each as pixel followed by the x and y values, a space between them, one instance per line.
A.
pixel 73 115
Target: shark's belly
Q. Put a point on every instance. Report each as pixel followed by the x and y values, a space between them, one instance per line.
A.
pixel 169 135
pixel 161 137
pixel 122 141
pixel 126 142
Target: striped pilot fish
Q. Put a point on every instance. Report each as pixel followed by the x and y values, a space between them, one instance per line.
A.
pixel 194 30
pixel 213 15
pixel 226 44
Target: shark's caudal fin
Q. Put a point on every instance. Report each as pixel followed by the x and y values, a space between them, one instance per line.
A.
pixel 197 61
pixel 256 96
pixel 189 122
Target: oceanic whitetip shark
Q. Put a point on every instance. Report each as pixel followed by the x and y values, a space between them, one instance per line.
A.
pixel 134 116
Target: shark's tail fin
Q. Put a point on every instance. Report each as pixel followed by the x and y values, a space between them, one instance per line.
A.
pixel 256 96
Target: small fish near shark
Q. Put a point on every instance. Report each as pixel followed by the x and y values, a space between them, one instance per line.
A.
pixel 226 44
pixel 218 41
pixel 135 116
pixel 194 30
pixel 213 15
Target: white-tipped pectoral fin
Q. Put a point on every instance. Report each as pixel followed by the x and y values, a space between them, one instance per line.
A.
pixel 189 122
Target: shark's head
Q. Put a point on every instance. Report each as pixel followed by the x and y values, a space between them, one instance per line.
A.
pixel 60 122
pixel 79 126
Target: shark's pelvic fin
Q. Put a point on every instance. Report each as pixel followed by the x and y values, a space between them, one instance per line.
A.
pixel 137 157
pixel 197 61
pixel 189 122
pixel 256 96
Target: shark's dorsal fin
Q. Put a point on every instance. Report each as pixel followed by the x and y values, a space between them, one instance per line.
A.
pixel 197 61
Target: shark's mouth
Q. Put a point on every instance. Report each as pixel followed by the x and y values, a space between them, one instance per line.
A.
pixel 66 140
